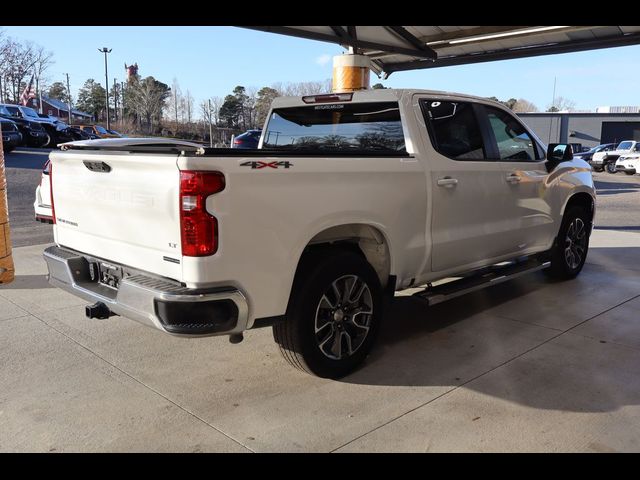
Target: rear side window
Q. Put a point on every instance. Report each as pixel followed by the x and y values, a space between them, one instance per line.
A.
pixel 454 129
pixel 513 141
pixel 342 127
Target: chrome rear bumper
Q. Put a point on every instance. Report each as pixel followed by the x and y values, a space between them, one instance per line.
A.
pixel 155 302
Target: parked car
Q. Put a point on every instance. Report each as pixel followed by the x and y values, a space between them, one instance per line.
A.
pixel 42 204
pixel 97 130
pixel 33 133
pixel 248 139
pixel 11 136
pixel 402 188
pixel 606 160
pixel 628 163
pixel 587 155
pixel 49 118
pixel 28 113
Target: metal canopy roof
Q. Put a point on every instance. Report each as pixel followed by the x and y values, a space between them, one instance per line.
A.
pixel 397 48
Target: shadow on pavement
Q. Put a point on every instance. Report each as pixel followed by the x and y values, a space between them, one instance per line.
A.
pixel 435 346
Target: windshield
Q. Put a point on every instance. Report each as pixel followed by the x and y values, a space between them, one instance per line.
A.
pixel 369 127
pixel 4 111
pixel 14 111
pixel 100 129
pixel 624 146
pixel 30 112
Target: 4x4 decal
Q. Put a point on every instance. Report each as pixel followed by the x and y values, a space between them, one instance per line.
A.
pixel 259 164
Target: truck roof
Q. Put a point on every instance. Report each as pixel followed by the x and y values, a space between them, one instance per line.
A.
pixel 383 95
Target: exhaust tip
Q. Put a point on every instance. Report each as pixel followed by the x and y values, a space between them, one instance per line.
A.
pixel 98 310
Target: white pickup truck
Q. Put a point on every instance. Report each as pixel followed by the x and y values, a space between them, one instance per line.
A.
pixel 348 198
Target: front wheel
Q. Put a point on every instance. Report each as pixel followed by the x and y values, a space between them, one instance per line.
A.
pixel 611 167
pixel 630 173
pixel 570 250
pixel 333 316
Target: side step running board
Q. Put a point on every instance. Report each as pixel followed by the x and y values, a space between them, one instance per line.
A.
pixel 491 276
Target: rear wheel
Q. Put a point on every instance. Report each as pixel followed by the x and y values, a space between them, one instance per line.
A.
pixel 333 315
pixel 570 251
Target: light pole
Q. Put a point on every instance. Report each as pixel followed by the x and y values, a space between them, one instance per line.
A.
pixel 106 50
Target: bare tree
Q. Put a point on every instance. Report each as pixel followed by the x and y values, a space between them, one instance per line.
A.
pixel 212 115
pixel 17 64
pixel 147 98
pixel 175 103
pixel 562 104
pixel 523 105
pixel 43 60
pixel 299 89
pixel 250 106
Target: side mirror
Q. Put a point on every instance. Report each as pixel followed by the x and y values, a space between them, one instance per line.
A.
pixel 559 152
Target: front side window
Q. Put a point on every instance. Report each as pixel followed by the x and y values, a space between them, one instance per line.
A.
pixel 454 129
pixel 513 141
pixel 355 127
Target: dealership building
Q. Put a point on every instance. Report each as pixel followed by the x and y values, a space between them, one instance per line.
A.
pixel 606 125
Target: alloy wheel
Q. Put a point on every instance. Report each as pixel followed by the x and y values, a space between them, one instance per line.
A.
pixel 343 317
pixel 575 243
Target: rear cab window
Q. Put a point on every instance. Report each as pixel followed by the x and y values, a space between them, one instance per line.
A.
pixel 454 129
pixel 367 128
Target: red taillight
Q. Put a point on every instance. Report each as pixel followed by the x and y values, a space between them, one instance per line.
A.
pixel 237 142
pixel 199 229
pixel 53 209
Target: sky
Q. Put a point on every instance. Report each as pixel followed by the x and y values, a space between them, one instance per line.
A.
pixel 211 61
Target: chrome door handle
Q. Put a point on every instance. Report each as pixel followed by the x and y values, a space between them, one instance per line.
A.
pixel 447 182
pixel 513 178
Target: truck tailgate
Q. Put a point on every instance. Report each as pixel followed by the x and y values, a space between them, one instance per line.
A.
pixel 120 207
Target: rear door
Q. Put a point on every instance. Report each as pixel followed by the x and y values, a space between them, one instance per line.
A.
pixel 469 192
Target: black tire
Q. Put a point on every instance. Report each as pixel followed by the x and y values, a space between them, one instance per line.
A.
pixel 611 167
pixel 314 302
pixel 630 173
pixel 566 265
pixel 598 169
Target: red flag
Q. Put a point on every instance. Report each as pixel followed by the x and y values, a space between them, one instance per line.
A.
pixel 28 93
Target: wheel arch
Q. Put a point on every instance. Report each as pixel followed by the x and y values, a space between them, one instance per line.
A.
pixel 368 240
pixel 581 199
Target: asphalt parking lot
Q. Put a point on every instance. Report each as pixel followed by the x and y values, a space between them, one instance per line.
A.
pixel 528 365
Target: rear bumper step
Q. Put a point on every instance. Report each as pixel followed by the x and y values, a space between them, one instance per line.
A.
pixel 154 302
pixel 488 277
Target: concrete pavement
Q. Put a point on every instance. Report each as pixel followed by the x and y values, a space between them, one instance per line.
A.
pixel 529 365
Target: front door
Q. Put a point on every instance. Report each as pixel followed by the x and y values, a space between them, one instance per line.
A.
pixel 529 218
